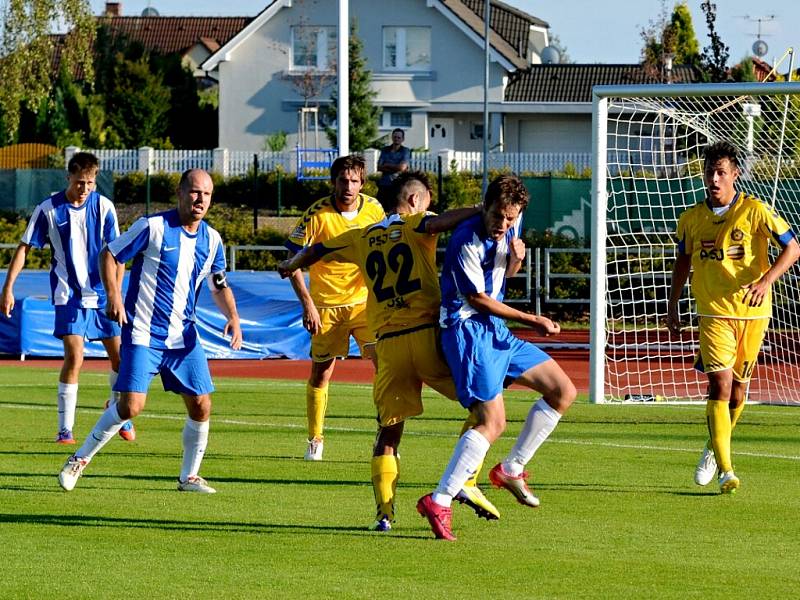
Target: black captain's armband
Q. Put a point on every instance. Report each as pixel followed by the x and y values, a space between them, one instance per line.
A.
pixel 219 280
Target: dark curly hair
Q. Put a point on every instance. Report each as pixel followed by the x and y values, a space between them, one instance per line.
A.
pixel 715 152
pixel 507 190
pixel 353 162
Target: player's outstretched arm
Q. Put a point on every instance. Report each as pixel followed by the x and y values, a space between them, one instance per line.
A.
pixel 449 219
pixel 111 277
pixel 14 269
pixel 680 274
pixel 302 260
pixel 484 303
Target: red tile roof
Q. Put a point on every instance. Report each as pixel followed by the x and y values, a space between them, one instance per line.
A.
pixel 170 35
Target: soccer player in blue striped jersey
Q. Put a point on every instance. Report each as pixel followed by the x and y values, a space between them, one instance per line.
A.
pixel 173 253
pixel 75 223
pixel 484 356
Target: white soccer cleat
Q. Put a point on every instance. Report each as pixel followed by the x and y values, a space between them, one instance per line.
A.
pixel 195 483
pixel 314 450
pixel 71 471
pixel 706 467
pixel 728 483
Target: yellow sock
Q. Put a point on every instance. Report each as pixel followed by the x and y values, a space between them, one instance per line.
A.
pixel 719 426
pixel 385 473
pixel 735 414
pixel 470 422
pixel 316 404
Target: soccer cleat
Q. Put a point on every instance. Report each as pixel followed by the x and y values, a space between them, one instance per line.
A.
pixel 71 471
pixel 706 467
pixel 195 483
pixel 473 497
pixel 517 485
pixel 728 483
pixel 127 432
pixel 65 437
pixel 314 449
pixel 438 516
pixel 382 523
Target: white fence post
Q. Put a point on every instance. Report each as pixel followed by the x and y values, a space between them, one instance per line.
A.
pixel 221 161
pixel 69 152
pixel 447 157
pixel 371 160
pixel 146 158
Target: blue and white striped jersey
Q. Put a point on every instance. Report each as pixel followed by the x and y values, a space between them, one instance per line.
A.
pixel 76 234
pixel 473 263
pixel 169 265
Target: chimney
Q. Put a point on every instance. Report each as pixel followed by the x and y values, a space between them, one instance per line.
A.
pixel 113 9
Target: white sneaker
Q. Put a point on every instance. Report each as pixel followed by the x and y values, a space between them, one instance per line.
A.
pixel 314 450
pixel 706 467
pixel 728 483
pixel 70 472
pixel 195 483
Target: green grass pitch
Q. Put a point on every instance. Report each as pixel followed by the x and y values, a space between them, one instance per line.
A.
pixel 620 515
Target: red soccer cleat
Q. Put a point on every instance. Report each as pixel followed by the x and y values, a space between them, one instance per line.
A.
pixel 438 516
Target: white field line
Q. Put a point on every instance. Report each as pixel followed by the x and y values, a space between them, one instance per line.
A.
pixel 291 426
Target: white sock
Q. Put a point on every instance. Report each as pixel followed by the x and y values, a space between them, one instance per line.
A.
pixel 67 401
pixel 469 453
pixel 540 423
pixel 195 440
pixel 106 427
pixel 114 396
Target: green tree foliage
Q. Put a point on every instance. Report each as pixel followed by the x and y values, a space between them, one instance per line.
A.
pixel 671 35
pixel 364 115
pixel 744 71
pixel 27 48
pixel 714 60
pixel 139 103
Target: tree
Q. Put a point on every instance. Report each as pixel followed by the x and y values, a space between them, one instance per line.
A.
pixel 714 61
pixel 28 49
pixel 138 104
pixel 364 115
pixel 556 43
pixel 669 36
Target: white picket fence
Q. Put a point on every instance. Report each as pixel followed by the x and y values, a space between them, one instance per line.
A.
pixel 240 162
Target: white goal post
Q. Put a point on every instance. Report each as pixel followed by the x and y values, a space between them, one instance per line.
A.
pixel 647 143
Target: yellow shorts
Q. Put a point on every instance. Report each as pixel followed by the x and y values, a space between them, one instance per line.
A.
pixel 405 362
pixel 730 344
pixel 336 326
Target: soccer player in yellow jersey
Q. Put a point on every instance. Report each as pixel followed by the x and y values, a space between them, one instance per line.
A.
pixel 724 241
pixel 335 307
pixel 398 259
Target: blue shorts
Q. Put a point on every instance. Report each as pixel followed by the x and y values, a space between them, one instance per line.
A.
pixel 183 371
pixel 484 357
pixel 89 323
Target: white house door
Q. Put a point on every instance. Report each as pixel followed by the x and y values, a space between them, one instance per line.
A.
pixel 440 134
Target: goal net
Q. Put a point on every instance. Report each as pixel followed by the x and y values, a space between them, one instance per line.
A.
pixel 648 149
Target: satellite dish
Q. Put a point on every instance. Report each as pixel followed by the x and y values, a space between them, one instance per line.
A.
pixel 760 48
pixel 150 12
pixel 550 56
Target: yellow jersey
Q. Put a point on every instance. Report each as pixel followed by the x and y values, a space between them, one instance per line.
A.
pixel 728 252
pixel 333 283
pixel 398 259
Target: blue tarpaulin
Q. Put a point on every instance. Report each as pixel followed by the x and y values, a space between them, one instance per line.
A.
pixel 270 314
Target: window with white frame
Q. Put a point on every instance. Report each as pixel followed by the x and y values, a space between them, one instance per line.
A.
pixel 407 48
pixel 399 119
pixel 313 48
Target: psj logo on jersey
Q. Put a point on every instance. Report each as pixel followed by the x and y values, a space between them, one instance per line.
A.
pixel 713 254
pixel 382 238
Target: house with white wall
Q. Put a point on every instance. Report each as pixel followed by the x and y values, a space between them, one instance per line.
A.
pixel 426 58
